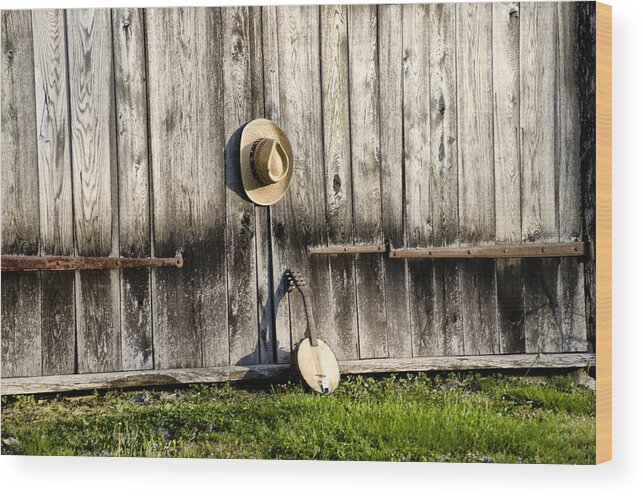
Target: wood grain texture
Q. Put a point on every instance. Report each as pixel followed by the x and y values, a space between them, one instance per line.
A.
pixel 133 180
pixel 398 327
pixel 20 221
pixel 94 165
pixel 99 345
pixel 586 74
pixel 280 301
pixel 141 379
pixel 92 126
pixel 88 382
pixel 265 282
pixel 571 277
pixel 443 125
pixel 55 188
pixel 21 342
pixel 603 65
pixel 241 259
pixel 21 327
pixel 54 163
pixel 58 323
pixel 436 126
pixel 476 174
pixel 367 199
pixel 506 96
pixel 187 159
pixel 417 140
pixel 539 146
pixel 444 174
pixel 485 362
pixel 427 331
pixel 298 219
pixel 338 178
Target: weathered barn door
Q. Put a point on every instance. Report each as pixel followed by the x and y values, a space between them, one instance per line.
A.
pixel 437 125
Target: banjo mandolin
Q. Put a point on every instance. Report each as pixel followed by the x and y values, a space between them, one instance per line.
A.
pixel 314 359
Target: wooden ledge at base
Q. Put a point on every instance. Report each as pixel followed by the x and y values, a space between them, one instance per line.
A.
pixel 146 378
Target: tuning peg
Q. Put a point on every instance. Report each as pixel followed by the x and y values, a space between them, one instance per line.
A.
pixel 288 274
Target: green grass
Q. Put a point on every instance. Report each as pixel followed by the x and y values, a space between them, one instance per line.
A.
pixel 458 418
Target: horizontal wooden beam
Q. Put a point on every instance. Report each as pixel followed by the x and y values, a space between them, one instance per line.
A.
pixel 531 250
pixel 340 249
pixel 30 264
pixel 481 362
pixel 146 378
pixel 138 378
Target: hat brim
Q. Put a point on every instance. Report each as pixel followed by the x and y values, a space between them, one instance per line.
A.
pixel 257 192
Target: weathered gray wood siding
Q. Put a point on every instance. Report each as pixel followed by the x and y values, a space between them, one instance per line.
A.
pixel 416 125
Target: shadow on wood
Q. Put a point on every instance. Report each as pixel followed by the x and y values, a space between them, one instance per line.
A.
pixel 267 325
pixel 233 164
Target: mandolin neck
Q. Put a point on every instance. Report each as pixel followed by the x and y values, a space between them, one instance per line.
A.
pixel 312 330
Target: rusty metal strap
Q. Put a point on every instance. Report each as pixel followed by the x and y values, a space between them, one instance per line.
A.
pixel 27 263
pixel 340 249
pixel 531 250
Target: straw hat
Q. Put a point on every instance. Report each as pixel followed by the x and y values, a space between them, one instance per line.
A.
pixel 266 161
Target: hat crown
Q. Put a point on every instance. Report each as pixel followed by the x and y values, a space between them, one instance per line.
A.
pixel 269 161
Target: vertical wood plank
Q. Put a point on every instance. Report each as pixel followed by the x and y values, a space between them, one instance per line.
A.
pixel 280 300
pixel 265 284
pixel 444 174
pixel 337 159
pixel 398 328
pixel 95 186
pixel 133 180
pixel 539 148
pixel 427 340
pixel 58 323
pixel 208 234
pixel 240 213
pixel 92 109
pixel 55 189
pixel 21 344
pixel 21 328
pixel 188 184
pixel 367 199
pixel 586 44
pixel 571 278
pixel 298 219
pixel 50 72
pixel 20 220
pixel 475 174
pixel 506 95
